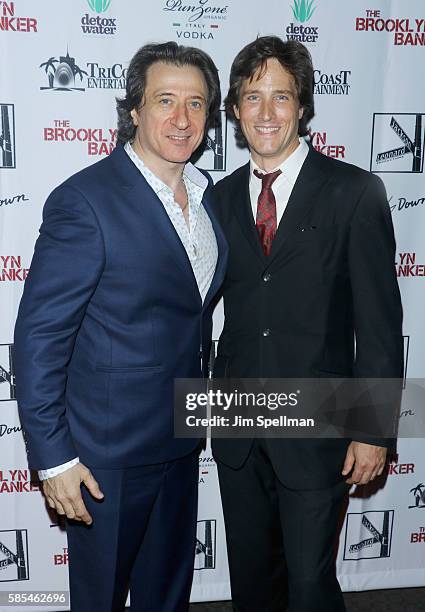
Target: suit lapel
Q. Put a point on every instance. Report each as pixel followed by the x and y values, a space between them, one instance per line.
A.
pixel 222 248
pixel 137 188
pixel 304 196
pixel 243 212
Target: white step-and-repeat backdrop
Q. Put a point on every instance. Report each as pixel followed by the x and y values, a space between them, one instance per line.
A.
pixel 62 63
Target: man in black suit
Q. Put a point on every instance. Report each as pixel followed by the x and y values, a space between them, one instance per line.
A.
pixel 310 292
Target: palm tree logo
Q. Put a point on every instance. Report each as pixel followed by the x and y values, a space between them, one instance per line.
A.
pixel 419 493
pixel 61 73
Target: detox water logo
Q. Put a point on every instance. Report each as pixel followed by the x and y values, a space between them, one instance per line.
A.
pixel 303 11
pixel 99 25
pixel 99 6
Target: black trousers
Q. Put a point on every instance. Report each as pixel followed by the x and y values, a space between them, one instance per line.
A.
pixel 143 536
pixel 280 541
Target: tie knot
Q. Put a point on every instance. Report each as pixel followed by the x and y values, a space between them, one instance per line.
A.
pixel 267 179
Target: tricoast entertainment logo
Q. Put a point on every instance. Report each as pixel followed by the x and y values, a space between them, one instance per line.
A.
pixel 64 74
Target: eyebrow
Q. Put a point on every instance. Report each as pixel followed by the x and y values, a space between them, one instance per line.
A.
pixel 256 91
pixel 170 93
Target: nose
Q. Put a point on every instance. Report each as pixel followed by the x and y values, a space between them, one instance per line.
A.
pixel 181 117
pixel 266 110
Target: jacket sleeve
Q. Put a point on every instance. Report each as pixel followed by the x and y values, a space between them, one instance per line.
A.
pixel 67 264
pixel 377 310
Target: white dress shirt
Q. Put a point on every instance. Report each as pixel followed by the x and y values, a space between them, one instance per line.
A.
pixel 283 185
pixel 198 239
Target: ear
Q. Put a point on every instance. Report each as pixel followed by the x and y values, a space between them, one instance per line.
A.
pixel 300 112
pixel 236 111
pixel 134 116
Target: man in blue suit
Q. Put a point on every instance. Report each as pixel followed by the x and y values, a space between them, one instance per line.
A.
pixel 118 304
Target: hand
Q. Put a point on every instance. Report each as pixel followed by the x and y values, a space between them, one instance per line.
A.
pixel 63 492
pixel 367 460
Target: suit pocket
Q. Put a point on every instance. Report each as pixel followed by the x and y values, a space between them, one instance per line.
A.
pixel 315 233
pixel 124 369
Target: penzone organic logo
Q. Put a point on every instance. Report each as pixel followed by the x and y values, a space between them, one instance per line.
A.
pixel 303 10
pixel 99 6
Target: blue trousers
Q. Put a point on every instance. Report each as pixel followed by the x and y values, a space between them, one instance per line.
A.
pixel 142 536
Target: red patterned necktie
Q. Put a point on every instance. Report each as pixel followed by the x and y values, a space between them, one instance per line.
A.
pixel 266 210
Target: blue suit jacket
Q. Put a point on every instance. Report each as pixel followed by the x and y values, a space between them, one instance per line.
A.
pixel 110 316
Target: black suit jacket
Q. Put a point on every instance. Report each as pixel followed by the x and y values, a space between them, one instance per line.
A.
pixel 327 295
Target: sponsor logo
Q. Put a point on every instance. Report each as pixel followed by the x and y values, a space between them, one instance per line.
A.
pixel 106 77
pixel 18 481
pixel 205 550
pixel 418 495
pixel 406 344
pixel 368 535
pixel 407 267
pixel 394 468
pixel 319 141
pixel 10 22
pixel 418 536
pixel 7 376
pixel 206 463
pixel 105 26
pixel 99 141
pixel 99 6
pixel 397 143
pixel 403 204
pixel 303 11
pixel 5 430
pixel 405 31
pixel 14 555
pixel 196 19
pixel 332 83
pixel 61 558
pixel 7 136
pixel 11 268
pixel 214 157
pixel 62 73
pixel 16 199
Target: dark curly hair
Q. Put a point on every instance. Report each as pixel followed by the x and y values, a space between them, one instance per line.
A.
pixel 292 56
pixel 169 53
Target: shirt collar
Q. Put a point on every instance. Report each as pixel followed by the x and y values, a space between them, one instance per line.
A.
pixel 290 167
pixel 190 172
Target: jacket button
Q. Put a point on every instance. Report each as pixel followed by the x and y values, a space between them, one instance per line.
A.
pixel 266 332
pixel 266 277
